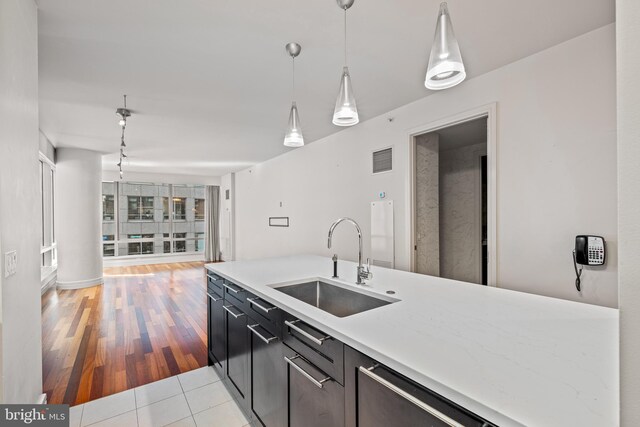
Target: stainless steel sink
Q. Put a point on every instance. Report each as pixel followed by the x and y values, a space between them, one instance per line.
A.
pixel 333 299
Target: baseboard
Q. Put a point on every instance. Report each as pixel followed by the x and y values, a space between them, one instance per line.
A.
pixel 42 399
pixel 80 284
pixel 148 260
pixel 48 282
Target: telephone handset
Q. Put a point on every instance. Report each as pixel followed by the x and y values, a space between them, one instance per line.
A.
pixel 589 250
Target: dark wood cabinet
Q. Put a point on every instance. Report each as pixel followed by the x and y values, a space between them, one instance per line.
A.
pixel 379 397
pixel 237 351
pixel 268 377
pixel 284 372
pixel 314 398
pixel 217 331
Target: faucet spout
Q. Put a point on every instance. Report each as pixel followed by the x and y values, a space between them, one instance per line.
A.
pixel 360 273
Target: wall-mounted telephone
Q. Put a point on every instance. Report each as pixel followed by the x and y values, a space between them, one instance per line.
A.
pixel 589 250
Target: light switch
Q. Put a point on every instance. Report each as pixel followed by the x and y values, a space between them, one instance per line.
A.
pixel 10 263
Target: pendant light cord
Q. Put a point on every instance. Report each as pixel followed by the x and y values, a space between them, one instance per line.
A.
pixel 293 78
pixel 345 36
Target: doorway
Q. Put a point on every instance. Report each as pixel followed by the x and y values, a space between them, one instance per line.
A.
pixel 453 200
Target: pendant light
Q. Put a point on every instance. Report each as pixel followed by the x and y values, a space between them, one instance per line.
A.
pixel 446 68
pixel 293 137
pixel 346 111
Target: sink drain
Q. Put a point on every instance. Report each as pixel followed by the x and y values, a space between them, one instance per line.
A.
pixel 391 292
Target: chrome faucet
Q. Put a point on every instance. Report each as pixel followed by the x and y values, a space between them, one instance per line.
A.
pixel 362 274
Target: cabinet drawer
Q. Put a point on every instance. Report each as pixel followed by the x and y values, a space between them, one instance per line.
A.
pixel 378 396
pixel 314 345
pixel 235 294
pixel 214 292
pixel 216 283
pixel 261 309
pixel 315 399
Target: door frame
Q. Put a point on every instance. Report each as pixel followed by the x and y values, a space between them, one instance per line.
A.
pixel 490 112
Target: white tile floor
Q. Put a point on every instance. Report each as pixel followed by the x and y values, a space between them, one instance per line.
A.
pixel 196 398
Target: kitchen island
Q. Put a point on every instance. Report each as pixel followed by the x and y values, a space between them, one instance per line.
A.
pixel 511 358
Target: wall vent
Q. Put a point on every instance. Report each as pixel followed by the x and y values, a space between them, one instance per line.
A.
pixel 383 160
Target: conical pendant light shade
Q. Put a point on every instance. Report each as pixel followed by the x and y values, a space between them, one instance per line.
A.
pixel 293 137
pixel 446 68
pixel 346 112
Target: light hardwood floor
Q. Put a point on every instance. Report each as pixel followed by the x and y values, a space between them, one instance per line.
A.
pixel 144 324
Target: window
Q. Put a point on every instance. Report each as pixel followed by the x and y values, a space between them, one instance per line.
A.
pixel 179 208
pixel 179 242
pixel 108 207
pixel 140 208
pixel 199 210
pixel 48 248
pixel 140 248
pixel 109 226
pixel 165 208
pixel 109 249
pixel 199 242
pixel 140 236
pixel 146 219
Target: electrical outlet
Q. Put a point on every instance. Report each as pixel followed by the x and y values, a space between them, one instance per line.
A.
pixel 10 263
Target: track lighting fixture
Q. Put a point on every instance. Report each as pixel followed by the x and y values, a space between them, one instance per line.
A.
pixel 123 113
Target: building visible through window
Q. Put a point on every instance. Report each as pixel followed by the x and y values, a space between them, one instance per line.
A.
pixel 199 209
pixel 152 219
pixel 165 208
pixel 140 208
pixel 108 207
pixel 109 249
pixel 199 242
pixel 179 242
pixel 179 208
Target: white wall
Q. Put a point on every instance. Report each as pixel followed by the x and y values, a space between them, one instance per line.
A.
pixel 20 202
pixel 556 116
pixel 160 178
pixel 78 218
pixel 461 213
pixel 628 35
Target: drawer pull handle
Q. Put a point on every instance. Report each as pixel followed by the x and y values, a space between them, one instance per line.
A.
pixel 235 291
pixel 236 316
pixel 409 397
pixel 259 335
pixel 214 299
pixel 317 383
pixel 319 341
pixel 265 309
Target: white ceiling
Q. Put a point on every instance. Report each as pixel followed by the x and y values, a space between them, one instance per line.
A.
pixel 209 80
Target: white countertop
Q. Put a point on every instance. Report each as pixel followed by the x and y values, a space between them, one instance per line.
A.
pixel 511 357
